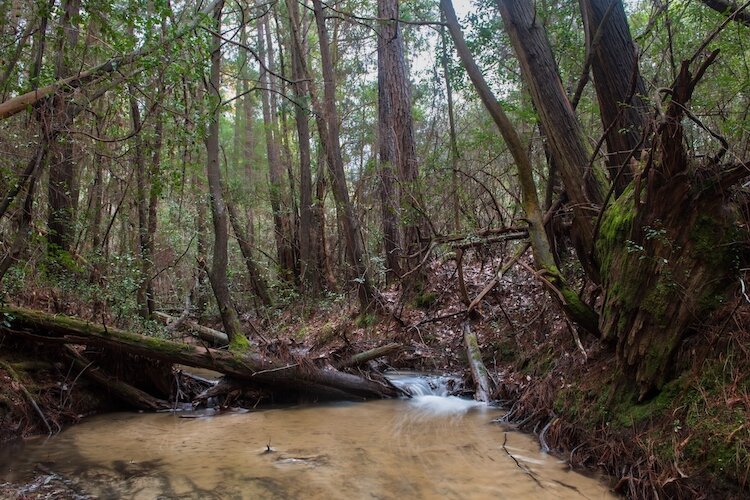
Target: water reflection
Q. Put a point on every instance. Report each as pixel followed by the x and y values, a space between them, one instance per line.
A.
pixel 424 447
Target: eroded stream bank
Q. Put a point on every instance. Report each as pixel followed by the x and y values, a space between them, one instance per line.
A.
pixel 429 446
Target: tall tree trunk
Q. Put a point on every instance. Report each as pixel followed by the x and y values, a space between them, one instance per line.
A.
pixel 454 155
pixel 153 202
pixel 218 274
pixel 319 250
pixel 573 306
pixel 286 152
pixel 586 185
pixel 669 247
pixel 256 279
pixel 392 75
pixel 62 192
pixel 308 268
pixel 248 141
pixel 277 188
pixel 200 293
pixel 139 166
pixel 350 225
pixel 619 87
pixel 387 165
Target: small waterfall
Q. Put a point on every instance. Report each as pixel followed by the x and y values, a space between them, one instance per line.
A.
pixel 417 384
pixel 431 395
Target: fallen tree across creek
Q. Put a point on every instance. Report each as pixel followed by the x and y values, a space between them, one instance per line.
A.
pixel 252 368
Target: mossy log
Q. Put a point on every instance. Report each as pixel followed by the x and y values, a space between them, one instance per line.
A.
pixel 248 366
pixel 121 390
pixel 363 357
pixel 482 383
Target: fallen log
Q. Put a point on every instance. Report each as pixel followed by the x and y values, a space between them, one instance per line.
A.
pixel 483 385
pixel 121 390
pixel 222 388
pixel 215 337
pixel 251 367
pixel 363 357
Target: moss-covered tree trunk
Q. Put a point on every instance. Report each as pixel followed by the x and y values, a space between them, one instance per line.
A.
pixel 667 247
pixel 664 250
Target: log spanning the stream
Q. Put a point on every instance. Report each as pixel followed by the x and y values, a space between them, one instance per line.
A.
pixel 250 367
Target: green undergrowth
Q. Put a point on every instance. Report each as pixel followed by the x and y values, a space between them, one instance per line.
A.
pixel 698 423
pixel 425 299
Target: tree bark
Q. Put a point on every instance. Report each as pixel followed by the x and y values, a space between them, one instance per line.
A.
pixel 352 235
pixel 310 277
pixel 277 190
pixel 454 154
pixel 218 274
pixel 388 161
pixel 483 386
pixel 619 87
pixel 139 165
pixel 393 86
pixel 62 190
pixel 669 248
pixel 213 337
pixel 586 186
pixel 365 356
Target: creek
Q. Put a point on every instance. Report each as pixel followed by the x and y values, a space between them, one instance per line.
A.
pixel 429 446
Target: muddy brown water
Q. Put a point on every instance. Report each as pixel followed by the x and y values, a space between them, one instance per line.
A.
pixel 430 446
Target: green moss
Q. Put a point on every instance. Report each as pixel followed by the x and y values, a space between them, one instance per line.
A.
pixel 239 344
pixel 425 299
pixel 300 334
pixel 472 346
pixel 658 297
pixel 504 349
pixel 626 414
pixel 716 243
pixel 326 333
pixel 365 320
pixel 583 314
pixel 720 439
pixel 706 235
pixel 614 229
pixel 539 364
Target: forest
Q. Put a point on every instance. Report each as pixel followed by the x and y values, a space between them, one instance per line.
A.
pixel 548 200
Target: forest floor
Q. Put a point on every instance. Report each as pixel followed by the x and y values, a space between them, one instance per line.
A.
pixel 692 440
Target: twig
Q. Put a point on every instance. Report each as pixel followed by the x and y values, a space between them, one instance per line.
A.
pixel 270 370
pixel 72 384
pixel 744 290
pixel 520 466
pixel 12 373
